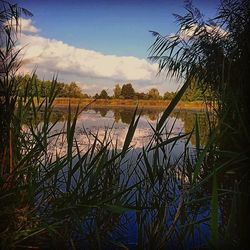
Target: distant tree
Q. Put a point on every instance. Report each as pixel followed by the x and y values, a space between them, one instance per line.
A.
pixel 61 89
pixel 191 94
pixel 154 94
pixel 194 92
pixel 86 96
pixel 74 90
pixel 141 96
pixel 96 96
pixel 36 86
pixel 103 94
pixel 168 95
pixel 117 91
pixel 128 91
pixel 42 87
pixel 23 80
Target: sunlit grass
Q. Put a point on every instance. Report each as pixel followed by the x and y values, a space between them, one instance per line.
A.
pixel 199 105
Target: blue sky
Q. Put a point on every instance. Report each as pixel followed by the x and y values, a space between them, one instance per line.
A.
pixel 119 28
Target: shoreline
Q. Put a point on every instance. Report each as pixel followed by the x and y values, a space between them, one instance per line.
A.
pixel 121 103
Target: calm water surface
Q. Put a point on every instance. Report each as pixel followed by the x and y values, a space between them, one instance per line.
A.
pixel 116 121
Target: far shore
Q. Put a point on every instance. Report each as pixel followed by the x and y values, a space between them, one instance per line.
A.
pixel 128 103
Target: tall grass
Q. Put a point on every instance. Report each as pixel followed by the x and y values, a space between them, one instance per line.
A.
pixel 217 61
pixel 80 193
pixel 82 196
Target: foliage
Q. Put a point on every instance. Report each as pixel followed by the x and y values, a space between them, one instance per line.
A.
pixel 214 55
pixel 41 88
pixel 103 94
pixel 117 91
pixel 9 64
pixel 73 90
pixel 154 94
pixel 128 91
pixel 168 95
pixel 194 93
pixel 70 90
pixel 141 95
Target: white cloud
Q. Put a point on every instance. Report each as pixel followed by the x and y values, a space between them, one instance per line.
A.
pixel 27 26
pixel 88 67
pixel 58 56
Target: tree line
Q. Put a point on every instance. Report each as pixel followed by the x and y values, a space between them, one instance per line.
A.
pixel 125 91
pixel 41 87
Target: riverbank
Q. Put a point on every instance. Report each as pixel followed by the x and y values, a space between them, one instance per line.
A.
pixel 61 102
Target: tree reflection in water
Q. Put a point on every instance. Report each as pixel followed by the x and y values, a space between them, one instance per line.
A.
pixel 124 115
pixel 97 121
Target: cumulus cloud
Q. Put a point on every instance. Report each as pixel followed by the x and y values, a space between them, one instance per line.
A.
pixel 81 65
pixel 25 24
pixel 58 56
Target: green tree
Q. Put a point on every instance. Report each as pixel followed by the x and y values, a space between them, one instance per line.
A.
pixel 193 93
pixel 168 95
pixel 103 94
pixel 62 92
pixel 117 91
pixel 154 94
pixel 141 96
pixel 128 91
pixel 41 88
pixel 85 96
pixel 74 90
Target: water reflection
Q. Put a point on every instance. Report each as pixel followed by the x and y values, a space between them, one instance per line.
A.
pixel 99 119
pixel 125 114
pixel 188 118
pixel 185 117
pixel 157 183
pixel 113 124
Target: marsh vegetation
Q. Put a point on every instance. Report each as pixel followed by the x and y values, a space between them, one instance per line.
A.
pixel 58 190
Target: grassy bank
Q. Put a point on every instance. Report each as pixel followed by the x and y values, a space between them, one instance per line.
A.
pixel 128 103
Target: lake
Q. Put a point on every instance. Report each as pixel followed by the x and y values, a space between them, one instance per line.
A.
pixel 147 185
